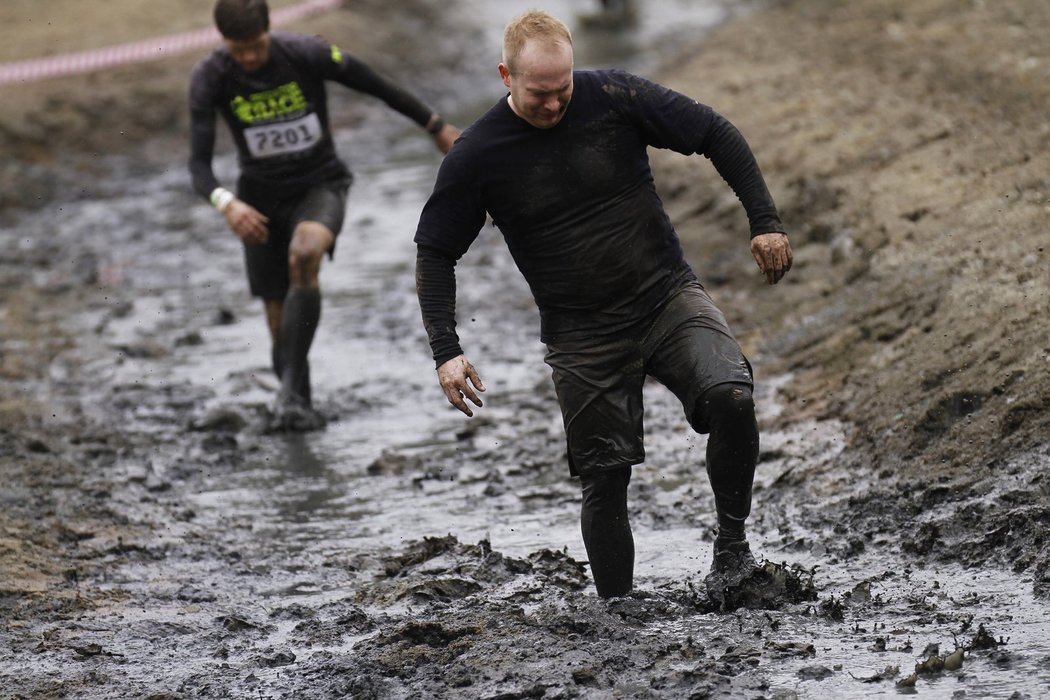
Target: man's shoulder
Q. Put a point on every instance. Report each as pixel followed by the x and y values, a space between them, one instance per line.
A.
pixel 480 143
pixel 212 62
pixel 208 71
pixel 623 87
pixel 610 82
pixel 596 73
pixel 294 43
pixel 598 76
pixel 495 118
pixel 616 76
pixel 283 38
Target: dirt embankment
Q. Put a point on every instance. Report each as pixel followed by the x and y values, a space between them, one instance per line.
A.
pixel 906 143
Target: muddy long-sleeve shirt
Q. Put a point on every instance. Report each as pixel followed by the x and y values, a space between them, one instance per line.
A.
pixel 577 205
pixel 278 115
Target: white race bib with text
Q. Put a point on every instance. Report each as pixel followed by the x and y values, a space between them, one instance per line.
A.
pixel 284 137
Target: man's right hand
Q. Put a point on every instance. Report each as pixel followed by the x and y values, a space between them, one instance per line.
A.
pixel 772 252
pixel 247 222
pixel 453 376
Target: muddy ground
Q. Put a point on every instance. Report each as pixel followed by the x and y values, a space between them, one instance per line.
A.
pixel 903 371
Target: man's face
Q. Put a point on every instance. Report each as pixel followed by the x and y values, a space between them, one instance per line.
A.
pixel 250 54
pixel 541 85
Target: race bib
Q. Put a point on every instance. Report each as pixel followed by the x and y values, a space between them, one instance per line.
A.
pixel 284 137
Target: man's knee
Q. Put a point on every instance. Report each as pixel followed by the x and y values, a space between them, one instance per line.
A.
pixel 724 404
pixel 310 241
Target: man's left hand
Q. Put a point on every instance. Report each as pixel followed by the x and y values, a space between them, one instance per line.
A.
pixel 772 252
pixel 446 137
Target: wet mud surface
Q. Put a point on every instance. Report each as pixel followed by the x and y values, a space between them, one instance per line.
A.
pixel 157 541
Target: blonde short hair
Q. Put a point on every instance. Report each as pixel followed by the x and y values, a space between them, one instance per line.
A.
pixel 533 25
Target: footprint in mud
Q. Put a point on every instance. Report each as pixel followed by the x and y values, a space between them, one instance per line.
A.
pixel 443 570
pixel 642 607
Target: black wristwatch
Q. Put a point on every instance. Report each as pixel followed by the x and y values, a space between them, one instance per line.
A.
pixel 437 126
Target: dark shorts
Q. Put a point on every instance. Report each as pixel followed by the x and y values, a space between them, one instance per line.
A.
pixel 267 264
pixel 687 347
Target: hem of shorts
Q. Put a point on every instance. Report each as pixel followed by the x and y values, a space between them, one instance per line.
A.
pixel 268 296
pixel 577 473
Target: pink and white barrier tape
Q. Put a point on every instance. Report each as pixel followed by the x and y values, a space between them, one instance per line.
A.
pixel 137 51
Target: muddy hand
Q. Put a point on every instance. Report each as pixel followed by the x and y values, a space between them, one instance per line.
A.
pixel 458 380
pixel 772 252
pixel 247 222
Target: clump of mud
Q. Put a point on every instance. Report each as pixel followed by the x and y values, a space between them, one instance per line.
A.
pixel 451 619
pixel 769 587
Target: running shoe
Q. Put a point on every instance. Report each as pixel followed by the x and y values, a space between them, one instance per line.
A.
pixel 732 564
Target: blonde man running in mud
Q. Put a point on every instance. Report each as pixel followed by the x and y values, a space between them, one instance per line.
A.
pixel 291 194
pixel 560 164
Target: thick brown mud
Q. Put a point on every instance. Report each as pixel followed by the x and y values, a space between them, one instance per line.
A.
pixel 157 541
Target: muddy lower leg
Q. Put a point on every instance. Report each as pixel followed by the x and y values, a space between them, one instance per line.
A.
pixel 607 531
pixel 732 453
pixel 299 319
pixel 303 388
pixel 293 322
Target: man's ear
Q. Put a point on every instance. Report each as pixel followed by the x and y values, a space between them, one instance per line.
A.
pixel 504 73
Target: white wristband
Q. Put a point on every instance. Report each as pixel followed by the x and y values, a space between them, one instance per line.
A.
pixel 221 198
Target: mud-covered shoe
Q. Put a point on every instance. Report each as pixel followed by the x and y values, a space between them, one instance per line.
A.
pixel 293 414
pixel 733 563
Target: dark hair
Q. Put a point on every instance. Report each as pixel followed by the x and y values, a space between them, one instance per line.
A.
pixel 242 19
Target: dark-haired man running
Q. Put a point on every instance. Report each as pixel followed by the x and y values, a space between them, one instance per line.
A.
pixel 290 198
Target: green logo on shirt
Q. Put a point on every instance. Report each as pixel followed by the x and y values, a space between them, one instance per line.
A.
pixel 271 104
